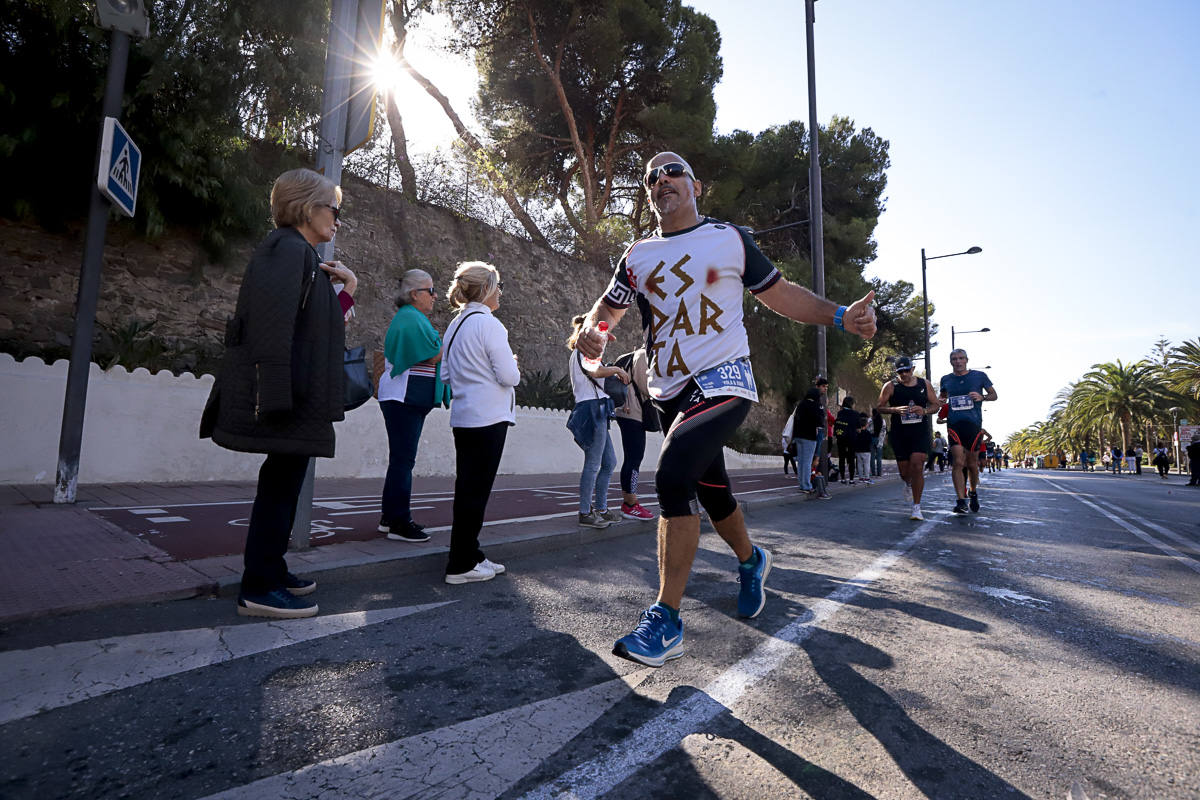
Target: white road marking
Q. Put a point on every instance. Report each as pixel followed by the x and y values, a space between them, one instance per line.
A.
pixel 144 511
pixel 1009 596
pixel 166 519
pixel 1187 560
pixel 32 681
pixel 1170 534
pixel 600 775
pixel 478 758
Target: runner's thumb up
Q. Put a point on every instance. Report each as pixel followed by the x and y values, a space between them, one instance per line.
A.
pixel 861 316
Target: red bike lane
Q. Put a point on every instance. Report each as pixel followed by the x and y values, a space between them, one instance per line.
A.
pixel 195 530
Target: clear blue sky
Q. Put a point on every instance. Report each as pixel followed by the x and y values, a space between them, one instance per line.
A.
pixel 1058 135
pixel 1061 137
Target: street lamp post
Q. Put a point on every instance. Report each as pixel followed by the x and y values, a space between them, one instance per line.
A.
pixel 925 295
pixel 961 333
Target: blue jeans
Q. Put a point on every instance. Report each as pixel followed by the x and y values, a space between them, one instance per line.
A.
pixel 404 424
pixel 805 449
pixel 877 456
pixel 599 459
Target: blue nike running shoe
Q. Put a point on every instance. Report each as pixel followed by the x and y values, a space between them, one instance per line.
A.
pixel 753 594
pixel 655 640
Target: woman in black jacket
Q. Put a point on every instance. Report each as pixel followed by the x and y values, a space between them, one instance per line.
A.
pixel 279 390
pixel 844 429
pixel 806 420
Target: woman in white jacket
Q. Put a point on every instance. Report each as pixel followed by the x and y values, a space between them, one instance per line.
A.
pixel 482 372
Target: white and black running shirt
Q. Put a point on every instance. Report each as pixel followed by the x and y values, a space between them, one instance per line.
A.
pixel 692 281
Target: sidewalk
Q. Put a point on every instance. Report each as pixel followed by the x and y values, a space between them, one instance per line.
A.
pixel 64 558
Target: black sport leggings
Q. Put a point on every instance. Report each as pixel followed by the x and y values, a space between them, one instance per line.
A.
pixel 633 447
pixel 692 463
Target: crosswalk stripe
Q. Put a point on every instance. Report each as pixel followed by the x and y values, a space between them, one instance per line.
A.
pixel 477 758
pixel 32 681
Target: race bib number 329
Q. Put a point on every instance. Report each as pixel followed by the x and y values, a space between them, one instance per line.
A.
pixel 733 378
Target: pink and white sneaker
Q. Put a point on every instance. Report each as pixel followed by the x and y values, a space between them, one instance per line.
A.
pixel 637 511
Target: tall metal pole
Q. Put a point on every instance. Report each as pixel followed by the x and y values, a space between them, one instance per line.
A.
pixel 925 314
pixel 70 440
pixel 952 339
pixel 339 61
pixel 816 229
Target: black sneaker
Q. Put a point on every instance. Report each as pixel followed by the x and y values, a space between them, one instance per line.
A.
pixel 299 586
pixel 404 531
pixel 960 506
pixel 974 501
pixel 276 604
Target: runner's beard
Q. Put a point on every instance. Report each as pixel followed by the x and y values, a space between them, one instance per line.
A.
pixel 667 204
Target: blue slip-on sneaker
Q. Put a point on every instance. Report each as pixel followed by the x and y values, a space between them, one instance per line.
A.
pixel 655 640
pixel 752 595
pixel 275 604
pixel 299 586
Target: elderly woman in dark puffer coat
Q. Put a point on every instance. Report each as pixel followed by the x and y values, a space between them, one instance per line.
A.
pixel 279 390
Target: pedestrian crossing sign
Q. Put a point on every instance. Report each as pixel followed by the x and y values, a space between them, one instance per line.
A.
pixel 120 167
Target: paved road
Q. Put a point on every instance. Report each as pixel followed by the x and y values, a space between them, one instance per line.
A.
pixel 199 530
pixel 1051 641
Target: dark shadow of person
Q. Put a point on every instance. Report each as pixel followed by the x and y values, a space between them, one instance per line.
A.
pixel 934 767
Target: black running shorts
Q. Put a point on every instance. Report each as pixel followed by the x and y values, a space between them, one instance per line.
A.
pixel 691 465
pixel 965 433
pixel 910 439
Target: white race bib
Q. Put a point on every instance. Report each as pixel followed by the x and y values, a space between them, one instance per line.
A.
pixel 961 402
pixel 733 378
pixel 909 417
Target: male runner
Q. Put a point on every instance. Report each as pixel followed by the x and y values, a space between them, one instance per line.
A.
pixel 689 275
pixel 909 400
pixel 964 390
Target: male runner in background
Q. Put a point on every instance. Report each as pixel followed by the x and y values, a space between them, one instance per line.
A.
pixel 964 391
pixel 692 273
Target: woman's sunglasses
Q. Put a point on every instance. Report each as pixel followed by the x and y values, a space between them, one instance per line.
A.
pixel 672 170
pixel 432 291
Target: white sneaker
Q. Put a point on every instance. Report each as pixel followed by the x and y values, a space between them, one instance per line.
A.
pixel 916 512
pixel 479 573
pixel 907 493
pixel 497 569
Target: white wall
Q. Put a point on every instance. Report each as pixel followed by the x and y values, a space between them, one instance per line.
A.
pixel 143 428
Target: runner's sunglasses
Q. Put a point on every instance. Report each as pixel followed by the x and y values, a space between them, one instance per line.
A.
pixel 672 170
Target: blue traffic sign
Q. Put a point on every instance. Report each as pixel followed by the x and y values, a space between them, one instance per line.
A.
pixel 120 167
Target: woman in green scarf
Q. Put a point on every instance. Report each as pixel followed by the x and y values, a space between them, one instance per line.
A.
pixel 408 390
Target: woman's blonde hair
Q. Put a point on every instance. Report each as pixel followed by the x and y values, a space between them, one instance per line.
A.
pixel 473 282
pixel 297 192
pixel 573 339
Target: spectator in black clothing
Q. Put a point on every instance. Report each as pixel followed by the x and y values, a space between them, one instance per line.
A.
pixel 1193 452
pixel 877 431
pixel 844 430
pixel 807 420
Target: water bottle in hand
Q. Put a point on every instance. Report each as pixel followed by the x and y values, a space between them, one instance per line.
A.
pixel 590 364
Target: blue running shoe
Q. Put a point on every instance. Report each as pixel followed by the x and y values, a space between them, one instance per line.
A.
pixel 753 594
pixel 655 640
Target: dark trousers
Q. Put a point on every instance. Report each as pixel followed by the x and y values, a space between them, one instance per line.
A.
pixel 1195 467
pixel 633 447
pixel 477 454
pixel 404 424
pixel 271 519
pixel 846 464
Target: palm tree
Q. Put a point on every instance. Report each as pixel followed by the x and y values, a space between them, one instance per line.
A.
pixel 1121 393
pixel 1182 371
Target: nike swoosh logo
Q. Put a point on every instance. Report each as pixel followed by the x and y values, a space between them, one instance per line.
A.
pixel 666 643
